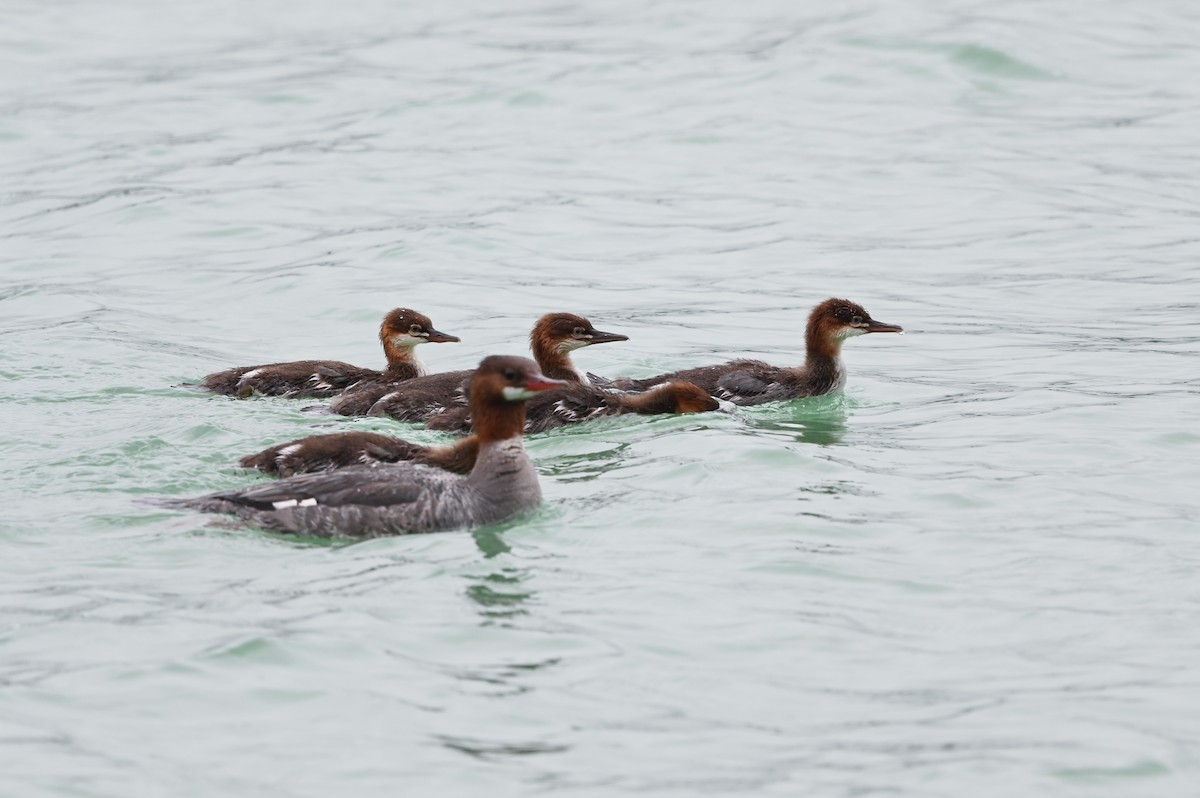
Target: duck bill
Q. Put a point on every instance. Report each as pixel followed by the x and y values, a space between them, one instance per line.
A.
pixel 601 337
pixel 539 382
pixel 434 337
pixel 879 326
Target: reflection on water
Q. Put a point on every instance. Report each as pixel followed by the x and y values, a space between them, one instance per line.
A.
pixel 820 420
pixel 490 541
pixel 498 594
pixel 586 465
pixel 837 495
pixel 486 750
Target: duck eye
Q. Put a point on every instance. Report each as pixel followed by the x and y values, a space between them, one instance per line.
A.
pixel 415 329
pixel 510 375
pixel 856 321
pixel 579 332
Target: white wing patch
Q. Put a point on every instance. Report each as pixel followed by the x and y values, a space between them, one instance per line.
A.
pixel 571 415
pixel 286 503
pixel 726 394
pixel 561 409
pixel 318 382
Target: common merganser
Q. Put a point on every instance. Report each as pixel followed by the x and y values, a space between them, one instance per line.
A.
pixel 753 382
pixel 402 498
pixel 575 403
pixel 553 338
pixel 402 330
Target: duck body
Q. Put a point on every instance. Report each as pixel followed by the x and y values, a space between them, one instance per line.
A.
pixel 344 449
pixel 366 501
pixel 575 403
pixel 707 377
pixel 312 379
pixel 753 382
pixel 410 400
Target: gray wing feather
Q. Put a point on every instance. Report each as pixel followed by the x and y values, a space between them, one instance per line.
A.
pixel 743 383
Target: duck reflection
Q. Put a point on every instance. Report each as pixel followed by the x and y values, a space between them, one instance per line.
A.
pixel 820 421
pixel 585 465
pixel 499 594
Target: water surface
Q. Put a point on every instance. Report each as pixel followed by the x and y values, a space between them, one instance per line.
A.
pixel 972 574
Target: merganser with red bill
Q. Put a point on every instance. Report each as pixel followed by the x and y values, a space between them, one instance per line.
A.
pixel 401 332
pixel 552 340
pixel 753 382
pixel 403 498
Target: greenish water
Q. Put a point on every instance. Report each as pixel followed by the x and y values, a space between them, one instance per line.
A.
pixel 972 574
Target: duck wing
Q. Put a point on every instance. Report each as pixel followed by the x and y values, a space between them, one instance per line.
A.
pixel 422 398
pixel 742 383
pixel 749 385
pixel 390 485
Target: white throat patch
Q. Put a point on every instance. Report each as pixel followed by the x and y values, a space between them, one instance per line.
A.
pixel 407 339
pixel 571 344
pixel 409 342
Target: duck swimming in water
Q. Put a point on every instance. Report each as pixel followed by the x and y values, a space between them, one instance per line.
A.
pixel 552 340
pixel 401 332
pixel 403 498
pixel 753 382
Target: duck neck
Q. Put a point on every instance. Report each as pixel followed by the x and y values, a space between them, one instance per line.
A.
pixel 823 370
pixel 496 420
pixel 402 361
pixel 554 359
pixel 502 466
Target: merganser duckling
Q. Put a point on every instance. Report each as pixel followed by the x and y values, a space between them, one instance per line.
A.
pixel 553 338
pixel 341 449
pixel 570 404
pixel 575 403
pixel 402 330
pixel 753 382
pixel 403 498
